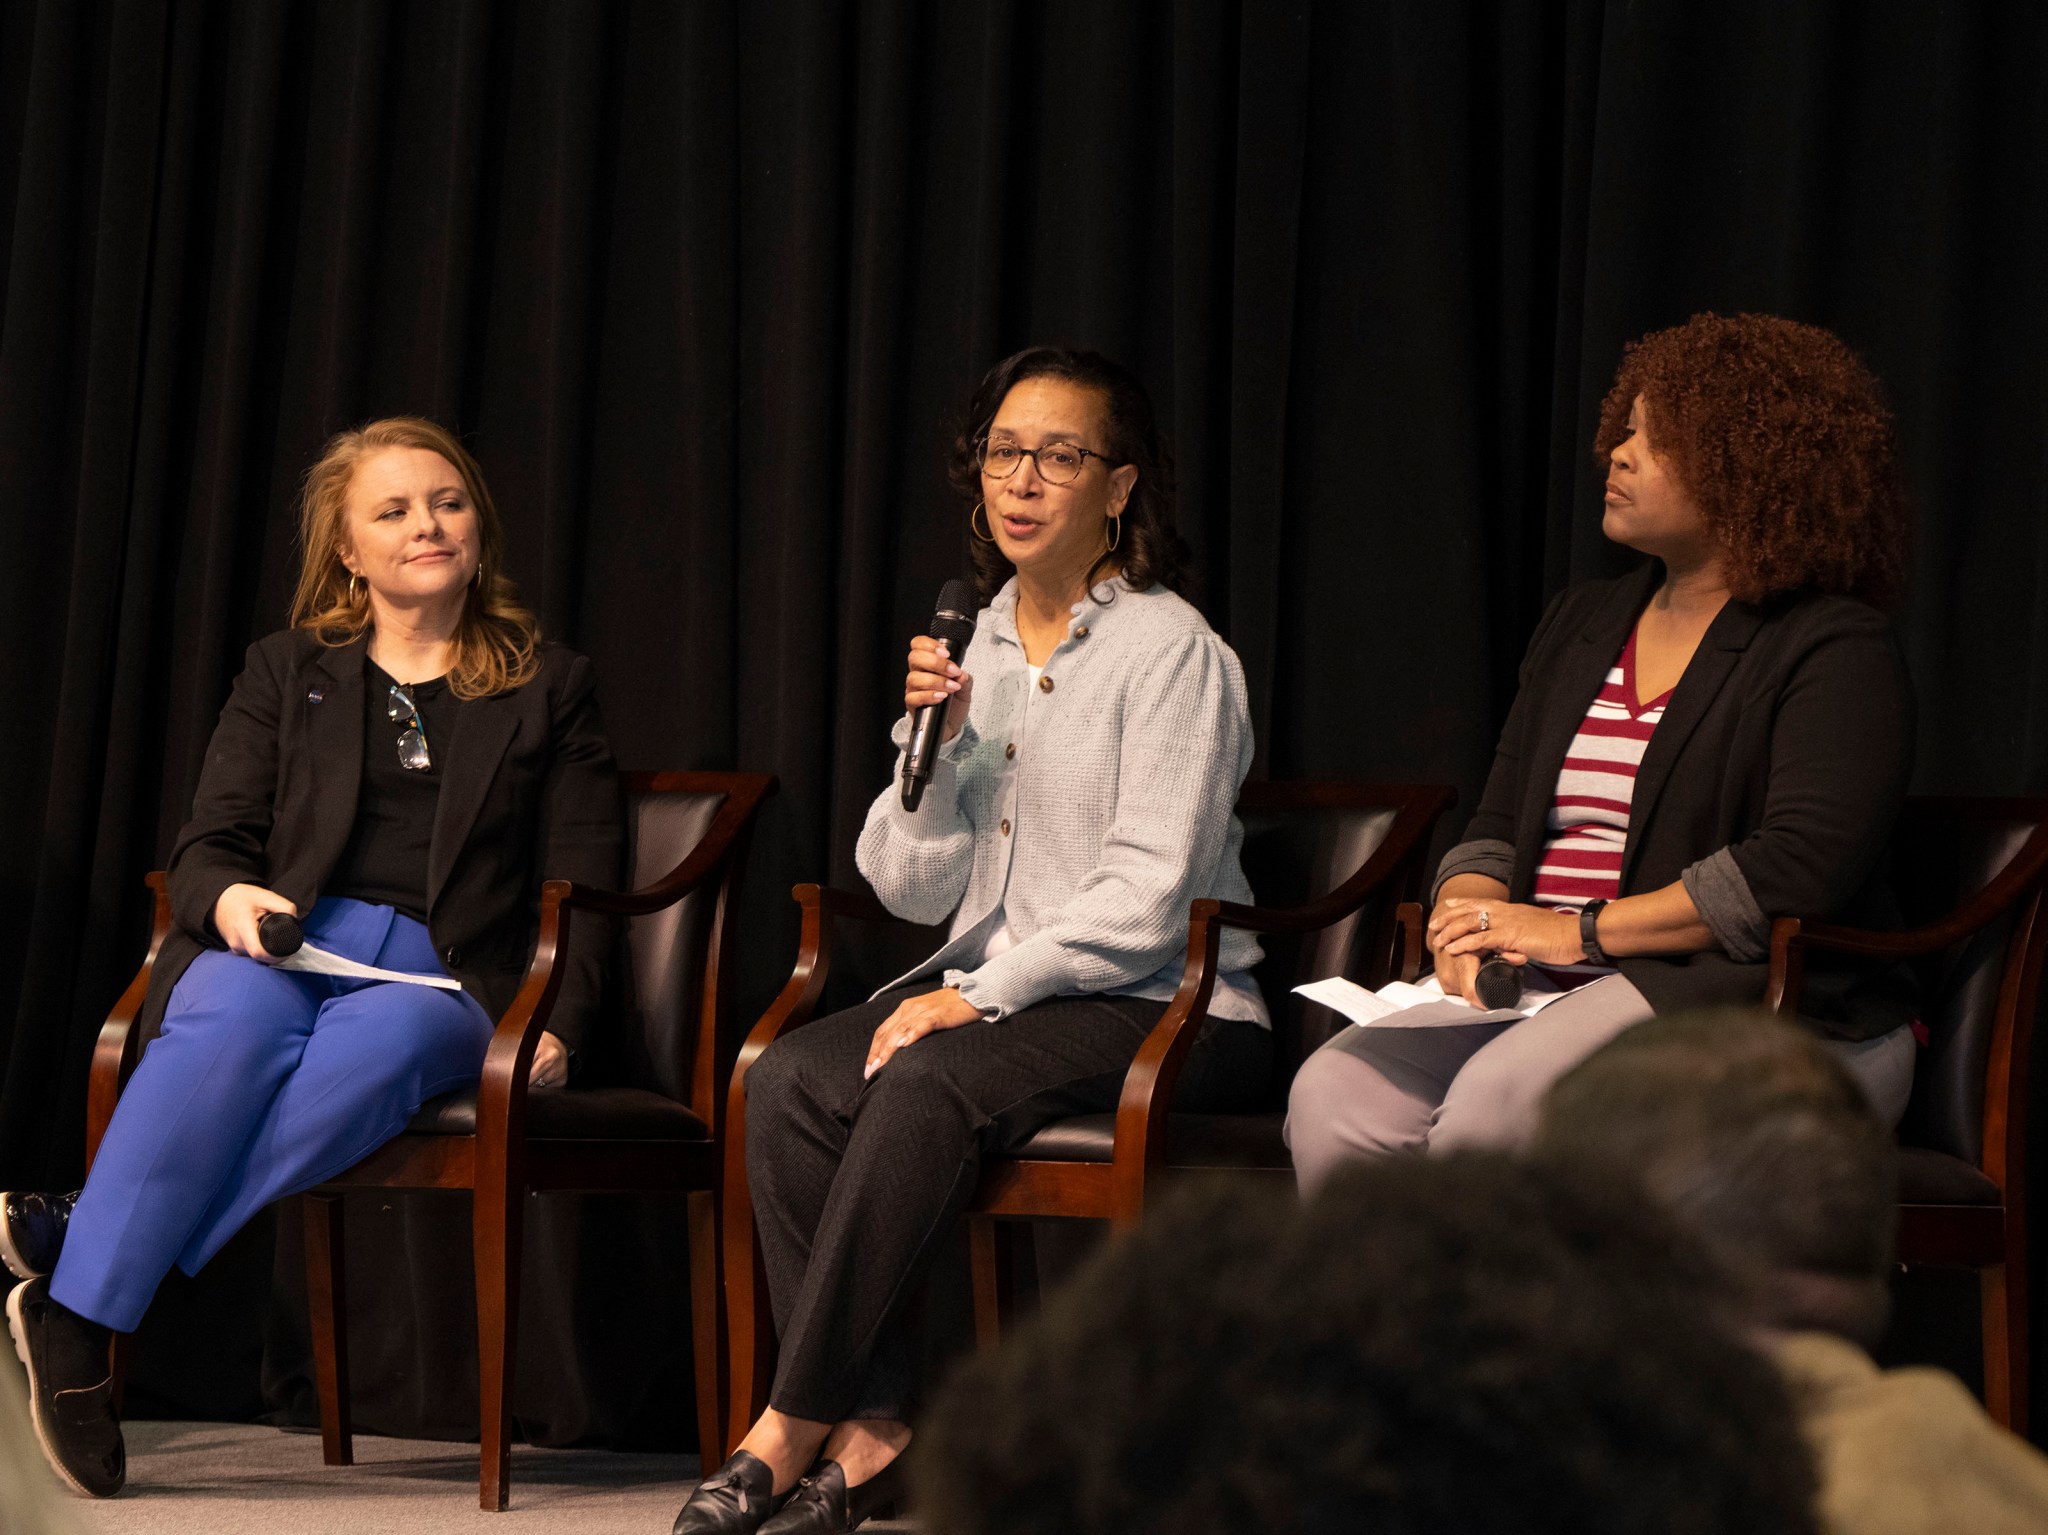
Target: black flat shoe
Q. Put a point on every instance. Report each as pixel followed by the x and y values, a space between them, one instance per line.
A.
pixel 32 1231
pixel 823 1504
pixel 737 1500
pixel 70 1390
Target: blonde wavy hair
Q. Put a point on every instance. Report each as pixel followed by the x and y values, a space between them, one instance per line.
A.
pixel 496 640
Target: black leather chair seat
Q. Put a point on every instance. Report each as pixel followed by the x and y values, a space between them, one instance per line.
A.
pixel 1238 1141
pixel 581 1113
pixel 1936 1178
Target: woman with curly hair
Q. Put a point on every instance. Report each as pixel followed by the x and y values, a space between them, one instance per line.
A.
pixel 1719 739
pixel 1096 733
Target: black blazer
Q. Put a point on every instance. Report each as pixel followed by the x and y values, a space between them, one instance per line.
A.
pixel 528 793
pixel 1788 741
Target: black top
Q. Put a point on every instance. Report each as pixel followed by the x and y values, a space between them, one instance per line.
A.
pixel 386 858
pixel 1788 742
pixel 527 794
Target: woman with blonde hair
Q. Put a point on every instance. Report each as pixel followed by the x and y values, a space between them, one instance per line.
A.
pixel 400 769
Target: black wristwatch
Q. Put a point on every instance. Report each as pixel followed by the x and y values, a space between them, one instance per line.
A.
pixel 1589 934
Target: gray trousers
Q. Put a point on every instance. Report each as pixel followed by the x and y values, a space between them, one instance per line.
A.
pixel 856 1183
pixel 1477 1080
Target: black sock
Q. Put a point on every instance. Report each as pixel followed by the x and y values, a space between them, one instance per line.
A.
pixel 76 1348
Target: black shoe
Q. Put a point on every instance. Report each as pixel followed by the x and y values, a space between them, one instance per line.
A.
pixel 737 1500
pixel 70 1389
pixel 824 1505
pixel 32 1231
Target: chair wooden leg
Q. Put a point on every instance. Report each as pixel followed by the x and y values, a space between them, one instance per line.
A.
pixel 499 1230
pixel 707 1338
pixel 990 1256
pixel 327 1309
pixel 2004 1314
pixel 749 1321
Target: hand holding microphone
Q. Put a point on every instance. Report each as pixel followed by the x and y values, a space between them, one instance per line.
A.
pixel 247 917
pixel 937 690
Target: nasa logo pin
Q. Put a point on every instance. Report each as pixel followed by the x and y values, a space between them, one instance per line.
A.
pixel 314 695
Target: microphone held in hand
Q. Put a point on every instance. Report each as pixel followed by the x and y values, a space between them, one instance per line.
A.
pixel 1498 984
pixel 280 934
pixel 953 623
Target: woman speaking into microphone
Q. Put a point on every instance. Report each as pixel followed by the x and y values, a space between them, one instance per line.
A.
pixel 402 768
pixel 1095 736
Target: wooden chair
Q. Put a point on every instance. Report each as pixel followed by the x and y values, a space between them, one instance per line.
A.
pixel 1971 875
pixel 1362 844
pixel 687 836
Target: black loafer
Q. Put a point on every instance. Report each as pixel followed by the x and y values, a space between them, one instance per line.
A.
pixel 823 1504
pixel 737 1500
pixel 70 1390
pixel 32 1231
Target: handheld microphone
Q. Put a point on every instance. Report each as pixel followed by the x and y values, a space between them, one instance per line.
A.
pixel 952 622
pixel 280 934
pixel 1498 984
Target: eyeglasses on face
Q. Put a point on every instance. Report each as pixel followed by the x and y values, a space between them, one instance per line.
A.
pixel 1059 463
pixel 412 742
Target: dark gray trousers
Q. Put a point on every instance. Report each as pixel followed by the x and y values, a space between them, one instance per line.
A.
pixel 855 1184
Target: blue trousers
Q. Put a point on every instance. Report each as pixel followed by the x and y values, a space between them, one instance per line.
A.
pixel 262 1083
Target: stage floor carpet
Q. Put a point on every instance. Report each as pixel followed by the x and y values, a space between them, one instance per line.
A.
pixel 241 1479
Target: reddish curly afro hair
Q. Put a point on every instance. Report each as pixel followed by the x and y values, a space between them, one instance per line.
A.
pixel 1783 440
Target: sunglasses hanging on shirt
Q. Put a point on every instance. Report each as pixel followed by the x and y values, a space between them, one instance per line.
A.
pixel 412 743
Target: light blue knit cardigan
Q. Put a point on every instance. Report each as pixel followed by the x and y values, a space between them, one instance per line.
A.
pixel 1115 811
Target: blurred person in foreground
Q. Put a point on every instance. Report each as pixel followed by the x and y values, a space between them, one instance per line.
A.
pixel 1759 1142
pixel 1467 1344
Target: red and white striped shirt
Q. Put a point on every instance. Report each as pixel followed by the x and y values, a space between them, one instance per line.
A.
pixel 1581 858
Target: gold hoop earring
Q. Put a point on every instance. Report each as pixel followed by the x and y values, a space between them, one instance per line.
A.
pixel 353 580
pixel 980 510
pixel 1116 533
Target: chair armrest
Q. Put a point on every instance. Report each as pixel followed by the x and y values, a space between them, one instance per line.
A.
pixel 1146 1101
pixel 1411 924
pixel 1145 1105
pixel 120 1043
pixel 702 864
pixel 501 1092
pixel 1792 937
pixel 798 999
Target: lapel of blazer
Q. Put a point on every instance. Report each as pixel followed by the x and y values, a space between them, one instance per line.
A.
pixel 1577 676
pixel 1719 652
pixel 334 747
pixel 484 727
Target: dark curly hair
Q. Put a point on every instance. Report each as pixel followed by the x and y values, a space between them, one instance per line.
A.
pixel 1783 439
pixel 1464 1343
pixel 1149 549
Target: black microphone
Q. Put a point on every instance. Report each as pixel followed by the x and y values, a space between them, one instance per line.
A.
pixel 952 622
pixel 280 934
pixel 1498 984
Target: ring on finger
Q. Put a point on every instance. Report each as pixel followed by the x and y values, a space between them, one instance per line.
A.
pixel 1485 920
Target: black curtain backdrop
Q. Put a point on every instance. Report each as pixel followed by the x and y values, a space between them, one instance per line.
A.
pixel 703 283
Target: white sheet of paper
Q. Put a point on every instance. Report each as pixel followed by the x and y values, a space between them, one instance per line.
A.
pixel 315 961
pixel 1364 1007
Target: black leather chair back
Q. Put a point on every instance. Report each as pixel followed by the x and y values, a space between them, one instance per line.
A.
pixel 661 971
pixel 1293 854
pixel 1945 851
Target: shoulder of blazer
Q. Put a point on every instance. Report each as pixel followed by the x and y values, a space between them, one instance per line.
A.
pixel 1591 610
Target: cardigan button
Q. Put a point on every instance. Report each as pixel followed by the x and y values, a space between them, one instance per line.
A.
pixel 1045 684
pixel 1010 750
pixel 1080 631
pixel 1006 827
pixel 452 957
